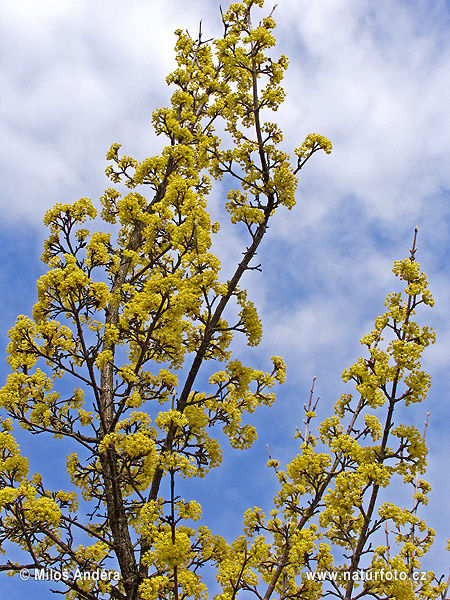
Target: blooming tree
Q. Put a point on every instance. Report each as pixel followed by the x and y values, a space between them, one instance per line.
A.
pixel 119 312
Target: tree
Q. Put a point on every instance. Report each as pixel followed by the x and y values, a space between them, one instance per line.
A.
pixel 121 312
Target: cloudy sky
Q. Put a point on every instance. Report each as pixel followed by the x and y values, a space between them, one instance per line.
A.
pixel 371 75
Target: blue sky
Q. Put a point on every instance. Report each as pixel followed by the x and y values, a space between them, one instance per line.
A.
pixel 373 76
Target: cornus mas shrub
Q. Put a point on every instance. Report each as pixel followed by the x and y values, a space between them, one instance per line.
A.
pixel 129 317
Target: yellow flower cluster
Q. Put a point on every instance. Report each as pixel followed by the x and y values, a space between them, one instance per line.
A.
pixel 114 306
pixel 234 397
pixel 312 143
pixel 338 475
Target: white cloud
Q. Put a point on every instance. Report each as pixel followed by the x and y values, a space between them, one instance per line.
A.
pixel 75 80
pixel 374 79
pixel 371 77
